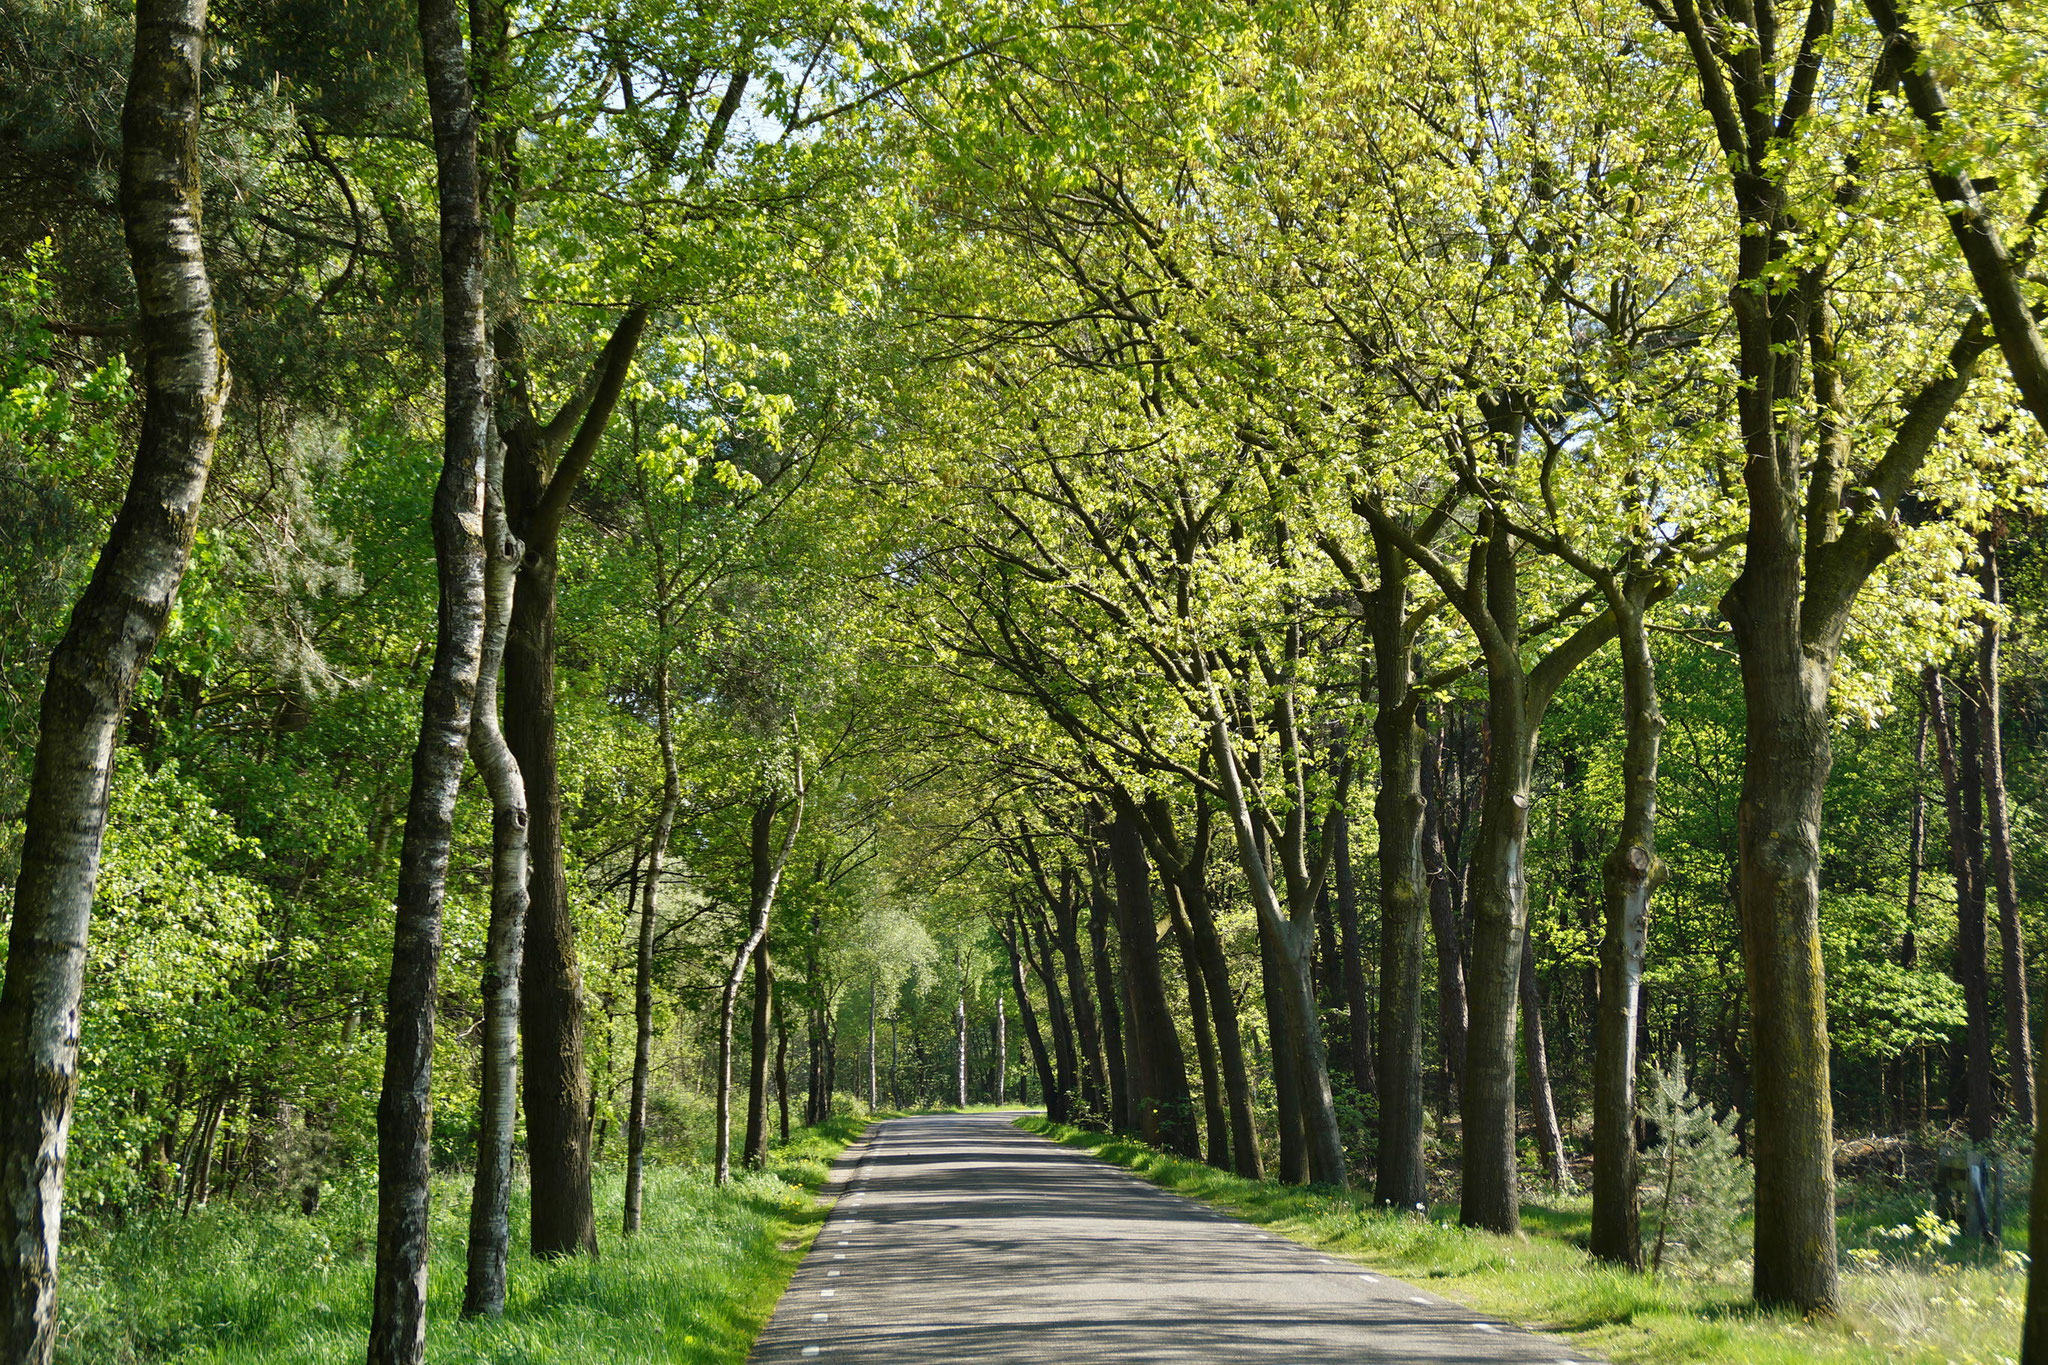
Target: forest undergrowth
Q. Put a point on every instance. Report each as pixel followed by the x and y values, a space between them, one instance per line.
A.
pixel 1910 1297
pixel 234 1284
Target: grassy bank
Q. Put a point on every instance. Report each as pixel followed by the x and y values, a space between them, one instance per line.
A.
pixel 238 1286
pixel 1910 1309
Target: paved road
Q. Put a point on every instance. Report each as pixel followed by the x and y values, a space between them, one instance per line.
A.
pixel 959 1238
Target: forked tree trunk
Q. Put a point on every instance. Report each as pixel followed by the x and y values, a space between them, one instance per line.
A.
pixel 405 1105
pixel 93 670
pixel 490 1202
pixel 1632 872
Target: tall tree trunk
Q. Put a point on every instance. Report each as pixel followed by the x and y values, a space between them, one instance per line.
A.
pixel 1913 1080
pixel 1357 991
pixel 1100 913
pixel 1161 1104
pixel 563 1218
pixel 1956 743
pixel 2019 1039
pixel 1299 1045
pixel 754 1151
pixel 490 1203
pixel 1402 1179
pixel 1216 1122
pixel 1055 1108
pixel 1542 1101
pixel 557 1081
pixel 1632 872
pixel 1055 1008
pixel 1293 1143
pixel 398 1321
pixel 93 671
pixel 960 1045
pixel 782 1073
pixel 872 1096
pixel 1093 1066
pixel 765 876
pixel 1453 1008
pixel 1186 866
pixel 1002 1049
pixel 650 900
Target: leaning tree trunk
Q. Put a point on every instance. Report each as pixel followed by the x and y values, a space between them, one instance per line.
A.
pixel 754 1151
pixel 2019 1039
pixel 490 1202
pixel 1293 1144
pixel 1215 1120
pixel 766 876
pixel 1632 872
pixel 1215 969
pixel 94 668
pixel 405 1106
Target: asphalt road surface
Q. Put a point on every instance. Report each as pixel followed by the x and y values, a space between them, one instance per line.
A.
pixel 960 1238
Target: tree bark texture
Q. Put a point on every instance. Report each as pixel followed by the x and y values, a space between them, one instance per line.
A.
pixel 643 963
pixel 1162 1106
pixel 490 1202
pixel 1100 913
pixel 2019 1032
pixel 1401 1179
pixel 93 671
pixel 1055 1106
pixel 1955 733
pixel 766 875
pixel 1357 991
pixel 1215 1121
pixel 1542 1100
pixel 398 1321
pixel 754 1151
pixel 1631 873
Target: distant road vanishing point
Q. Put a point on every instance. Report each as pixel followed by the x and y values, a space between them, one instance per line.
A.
pixel 958 1238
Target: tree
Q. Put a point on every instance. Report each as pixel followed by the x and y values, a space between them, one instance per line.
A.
pixel 398 1321
pixel 93 671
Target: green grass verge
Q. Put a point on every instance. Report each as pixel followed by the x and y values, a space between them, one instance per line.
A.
pixel 1899 1313
pixel 239 1286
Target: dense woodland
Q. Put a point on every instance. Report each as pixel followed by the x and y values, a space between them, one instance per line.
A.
pixel 1325 585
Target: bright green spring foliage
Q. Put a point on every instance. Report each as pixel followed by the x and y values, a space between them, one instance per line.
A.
pixel 1696 1183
